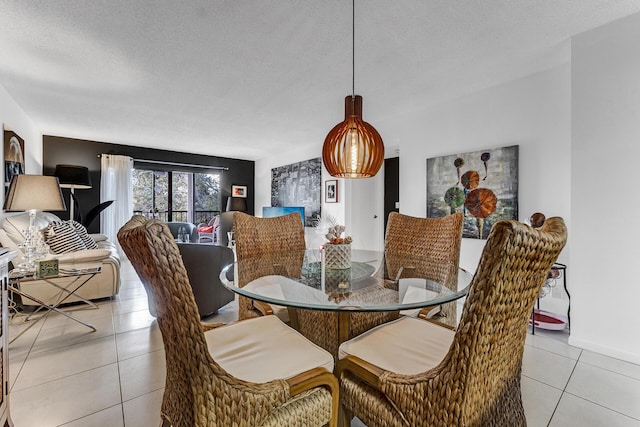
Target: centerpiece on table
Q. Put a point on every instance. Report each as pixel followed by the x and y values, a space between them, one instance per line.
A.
pixel 337 251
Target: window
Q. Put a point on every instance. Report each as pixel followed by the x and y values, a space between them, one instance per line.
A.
pixel 176 195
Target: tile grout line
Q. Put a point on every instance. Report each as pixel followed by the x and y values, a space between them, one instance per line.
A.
pixel 600 405
pixel 115 338
pixel 564 389
pixel 85 416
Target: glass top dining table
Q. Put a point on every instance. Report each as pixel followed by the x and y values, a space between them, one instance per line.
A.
pixel 303 280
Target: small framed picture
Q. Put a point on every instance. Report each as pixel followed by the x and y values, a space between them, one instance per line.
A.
pixel 48 268
pixel 331 191
pixel 238 191
pixel 13 156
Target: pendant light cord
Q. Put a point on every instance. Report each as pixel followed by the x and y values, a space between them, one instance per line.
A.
pixel 353 48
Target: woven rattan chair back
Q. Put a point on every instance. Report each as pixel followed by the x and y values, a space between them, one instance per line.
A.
pixel 198 392
pixel 478 381
pixel 263 247
pixel 427 248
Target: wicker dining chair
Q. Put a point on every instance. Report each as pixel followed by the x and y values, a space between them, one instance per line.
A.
pixel 256 372
pixel 412 372
pixel 426 248
pixel 264 245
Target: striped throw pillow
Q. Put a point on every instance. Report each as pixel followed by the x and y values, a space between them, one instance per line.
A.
pixel 82 232
pixel 62 237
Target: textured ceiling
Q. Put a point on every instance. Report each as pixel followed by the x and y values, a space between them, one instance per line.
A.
pixel 251 78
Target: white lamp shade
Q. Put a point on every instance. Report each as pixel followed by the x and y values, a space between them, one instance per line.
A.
pixel 34 192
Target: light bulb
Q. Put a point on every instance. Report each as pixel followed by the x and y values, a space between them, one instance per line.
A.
pixel 354 150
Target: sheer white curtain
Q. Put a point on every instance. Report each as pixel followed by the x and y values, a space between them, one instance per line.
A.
pixel 116 184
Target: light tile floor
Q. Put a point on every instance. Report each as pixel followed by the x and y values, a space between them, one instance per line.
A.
pixel 61 374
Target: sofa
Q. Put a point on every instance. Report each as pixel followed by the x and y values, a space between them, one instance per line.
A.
pixel 102 285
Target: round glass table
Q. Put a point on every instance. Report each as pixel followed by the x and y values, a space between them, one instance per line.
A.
pixel 302 282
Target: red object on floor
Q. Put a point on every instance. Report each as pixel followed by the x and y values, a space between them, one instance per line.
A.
pixel 550 321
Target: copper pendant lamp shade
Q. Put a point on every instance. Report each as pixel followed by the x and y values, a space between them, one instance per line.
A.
pixel 353 148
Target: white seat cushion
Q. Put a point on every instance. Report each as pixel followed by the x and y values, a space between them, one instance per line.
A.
pixel 271 289
pixel 405 346
pixel 264 349
pixel 413 290
pixel 281 312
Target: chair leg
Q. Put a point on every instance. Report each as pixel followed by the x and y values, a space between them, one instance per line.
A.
pixel 345 417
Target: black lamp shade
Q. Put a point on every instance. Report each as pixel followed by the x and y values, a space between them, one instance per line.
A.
pixel 237 204
pixel 71 176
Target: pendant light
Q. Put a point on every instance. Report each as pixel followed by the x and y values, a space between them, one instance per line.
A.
pixel 353 148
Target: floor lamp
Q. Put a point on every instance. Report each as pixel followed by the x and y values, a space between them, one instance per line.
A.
pixel 72 177
pixel 234 204
pixel 33 193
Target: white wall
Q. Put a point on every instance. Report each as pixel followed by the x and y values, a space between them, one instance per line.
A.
pixel 360 206
pixel 14 118
pixel 532 112
pixel 606 147
pixel 263 187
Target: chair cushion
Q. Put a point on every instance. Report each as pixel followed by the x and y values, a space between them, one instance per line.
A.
pixel 405 346
pixel 205 229
pixel 270 287
pixel 88 255
pixel 280 312
pixel 6 242
pixel 264 349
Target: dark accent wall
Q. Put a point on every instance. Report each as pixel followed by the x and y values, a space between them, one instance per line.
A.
pixel 59 150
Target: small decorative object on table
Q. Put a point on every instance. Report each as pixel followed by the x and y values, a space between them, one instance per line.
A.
pixel 337 252
pixel 47 268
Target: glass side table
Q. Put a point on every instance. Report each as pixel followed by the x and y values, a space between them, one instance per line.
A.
pixel 77 279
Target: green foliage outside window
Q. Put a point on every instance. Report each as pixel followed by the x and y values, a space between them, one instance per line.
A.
pixel 151 195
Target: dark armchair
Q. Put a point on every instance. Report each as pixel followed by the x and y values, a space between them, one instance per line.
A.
pixel 189 228
pixel 203 264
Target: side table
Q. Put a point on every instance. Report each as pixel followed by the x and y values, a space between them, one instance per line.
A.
pixel 79 277
pixel 557 271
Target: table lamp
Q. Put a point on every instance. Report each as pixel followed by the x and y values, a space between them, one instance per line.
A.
pixel 72 177
pixel 33 193
pixel 237 204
